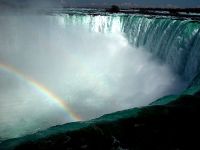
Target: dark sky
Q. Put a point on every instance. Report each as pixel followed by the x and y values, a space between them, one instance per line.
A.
pixel 179 3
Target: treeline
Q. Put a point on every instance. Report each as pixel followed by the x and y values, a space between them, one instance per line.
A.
pixel 171 10
pixel 115 8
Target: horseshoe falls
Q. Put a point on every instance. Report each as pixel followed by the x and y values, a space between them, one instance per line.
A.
pixel 173 41
pixel 66 67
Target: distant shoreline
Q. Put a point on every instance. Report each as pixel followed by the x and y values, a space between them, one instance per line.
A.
pixel 192 13
pixel 178 13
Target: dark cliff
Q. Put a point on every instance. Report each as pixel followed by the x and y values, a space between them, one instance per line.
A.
pixel 170 126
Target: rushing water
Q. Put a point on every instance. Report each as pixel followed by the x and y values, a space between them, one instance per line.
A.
pixel 62 68
pixel 173 41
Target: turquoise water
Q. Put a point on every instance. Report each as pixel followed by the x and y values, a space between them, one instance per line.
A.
pixel 169 41
pixel 173 41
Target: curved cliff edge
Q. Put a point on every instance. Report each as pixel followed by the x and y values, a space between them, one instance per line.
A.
pixel 170 123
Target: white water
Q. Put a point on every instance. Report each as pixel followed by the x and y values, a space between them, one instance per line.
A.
pixel 96 72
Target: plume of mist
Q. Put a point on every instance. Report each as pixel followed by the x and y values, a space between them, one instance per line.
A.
pixel 95 73
pixel 28 6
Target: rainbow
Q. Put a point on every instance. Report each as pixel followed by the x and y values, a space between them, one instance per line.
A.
pixel 43 89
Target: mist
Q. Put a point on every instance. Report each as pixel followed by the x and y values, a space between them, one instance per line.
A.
pixel 96 73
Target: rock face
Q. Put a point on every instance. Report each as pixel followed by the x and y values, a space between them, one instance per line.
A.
pixel 172 126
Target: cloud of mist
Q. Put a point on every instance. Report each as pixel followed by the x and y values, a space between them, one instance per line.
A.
pixel 28 6
pixel 95 73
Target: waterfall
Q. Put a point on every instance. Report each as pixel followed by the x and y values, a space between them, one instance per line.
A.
pixel 72 62
pixel 175 42
pixel 94 23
